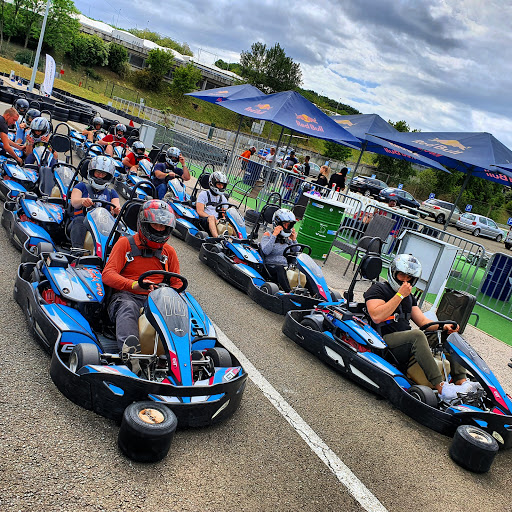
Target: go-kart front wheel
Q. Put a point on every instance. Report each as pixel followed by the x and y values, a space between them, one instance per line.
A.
pixel 424 394
pixel 146 431
pixel 314 323
pixel 220 357
pixel 474 449
pixel 82 355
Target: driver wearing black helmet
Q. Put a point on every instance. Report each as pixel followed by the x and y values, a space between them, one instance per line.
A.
pixel 391 305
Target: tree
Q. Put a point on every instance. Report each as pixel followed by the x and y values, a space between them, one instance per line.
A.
pixel 336 151
pixel 62 26
pixel 396 169
pixel 270 69
pixel 117 57
pixel 185 78
pixel 159 64
pixel 87 50
pixel 29 17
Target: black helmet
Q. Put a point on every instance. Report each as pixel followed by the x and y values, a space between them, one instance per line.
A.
pixel 138 148
pixel 21 105
pixel 104 164
pixel 407 264
pixel 280 217
pixel 155 211
pixel 97 120
pixel 31 114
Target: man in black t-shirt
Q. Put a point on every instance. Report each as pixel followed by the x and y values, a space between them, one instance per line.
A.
pixel 391 306
pixel 8 119
pixel 338 179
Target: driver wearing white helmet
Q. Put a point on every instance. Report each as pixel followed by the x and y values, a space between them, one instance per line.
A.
pixel 273 246
pixel 99 175
pixel 209 200
pixel 391 305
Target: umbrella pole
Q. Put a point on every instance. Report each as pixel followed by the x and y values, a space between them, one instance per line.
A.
pixel 269 172
pixel 464 185
pixel 363 149
pixel 231 156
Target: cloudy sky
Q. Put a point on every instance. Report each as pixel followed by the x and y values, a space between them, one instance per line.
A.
pixel 440 65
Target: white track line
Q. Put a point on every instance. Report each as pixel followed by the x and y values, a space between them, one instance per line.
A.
pixel 354 486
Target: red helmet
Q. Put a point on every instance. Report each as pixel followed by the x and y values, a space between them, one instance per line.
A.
pixel 155 212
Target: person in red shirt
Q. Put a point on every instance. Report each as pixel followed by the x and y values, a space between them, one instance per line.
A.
pixel 132 256
pixel 132 159
pixel 118 138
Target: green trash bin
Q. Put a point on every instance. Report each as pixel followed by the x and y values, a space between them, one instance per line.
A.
pixel 320 224
pixel 210 131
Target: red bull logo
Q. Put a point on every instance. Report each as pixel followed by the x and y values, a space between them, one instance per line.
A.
pixel 260 108
pixel 306 118
pixel 217 92
pixel 452 143
pixel 346 122
pixel 304 121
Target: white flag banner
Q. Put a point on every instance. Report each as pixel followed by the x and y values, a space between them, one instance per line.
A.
pixel 49 75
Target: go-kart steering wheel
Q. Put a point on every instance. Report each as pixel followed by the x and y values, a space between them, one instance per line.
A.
pixel 222 208
pixel 291 250
pixel 165 281
pixel 103 203
pixel 440 323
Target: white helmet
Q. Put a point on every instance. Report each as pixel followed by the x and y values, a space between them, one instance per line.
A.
pixel 407 264
pixel 172 155
pixel 217 179
pixel 40 124
pixel 104 164
pixel 280 217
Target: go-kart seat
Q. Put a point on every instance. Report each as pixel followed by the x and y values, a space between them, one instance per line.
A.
pixel 131 214
pixel 416 373
pixel 204 183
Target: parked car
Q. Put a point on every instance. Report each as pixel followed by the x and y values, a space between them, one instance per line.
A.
pixel 314 170
pixel 478 225
pixel 440 210
pixel 367 186
pixel 402 197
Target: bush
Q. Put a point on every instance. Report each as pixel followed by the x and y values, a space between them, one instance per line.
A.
pixel 92 74
pixel 145 80
pixel 24 57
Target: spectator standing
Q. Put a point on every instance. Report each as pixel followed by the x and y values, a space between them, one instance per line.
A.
pixel 246 156
pixel 323 176
pixel 307 167
pixel 338 179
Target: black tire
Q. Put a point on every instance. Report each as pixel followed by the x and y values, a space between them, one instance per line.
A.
pixel 473 449
pixel 315 323
pixel 476 232
pixel 458 229
pixel 216 248
pixel 424 394
pixel 336 296
pixel 440 218
pixel 367 193
pixel 146 431
pixel 203 235
pixel 251 216
pixel 507 246
pixel 499 238
pixel 44 247
pixel 220 357
pixel 59 116
pixel 82 355
pixel 270 288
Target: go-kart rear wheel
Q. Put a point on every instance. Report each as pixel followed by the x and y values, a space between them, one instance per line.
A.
pixel 203 235
pixel 220 356
pixel 146 431
pixel 424 394
pixel 43 247
pixel 270 288
pixel 336 296
pixel 82 355
pixel 314 322
pixel 473 448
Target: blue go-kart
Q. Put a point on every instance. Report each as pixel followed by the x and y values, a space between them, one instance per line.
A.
pixel 126 181
pixel 183 375
pixel 480 419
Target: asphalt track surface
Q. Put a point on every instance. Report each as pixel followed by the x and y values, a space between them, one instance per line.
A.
pixel 304 438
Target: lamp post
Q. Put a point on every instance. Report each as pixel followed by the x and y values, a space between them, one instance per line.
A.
pixel 38 51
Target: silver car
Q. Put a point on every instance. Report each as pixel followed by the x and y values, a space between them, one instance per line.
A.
pixel 478 225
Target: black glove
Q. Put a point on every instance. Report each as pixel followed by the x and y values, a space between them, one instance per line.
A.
pixel 168 177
